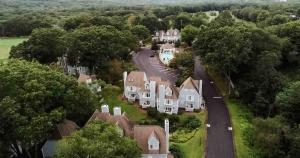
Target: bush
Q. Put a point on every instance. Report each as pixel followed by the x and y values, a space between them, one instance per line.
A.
pixel 175 150
pixel 190 123
pixel 152 112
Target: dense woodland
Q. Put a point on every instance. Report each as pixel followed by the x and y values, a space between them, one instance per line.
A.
pixel 255 46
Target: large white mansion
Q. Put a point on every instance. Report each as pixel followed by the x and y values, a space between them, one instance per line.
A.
pixel 161 94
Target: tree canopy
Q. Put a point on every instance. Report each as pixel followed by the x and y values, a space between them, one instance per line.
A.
pixel 33 99
pixel 98 140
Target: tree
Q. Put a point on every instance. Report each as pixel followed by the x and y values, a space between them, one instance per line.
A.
pixel 224 19
pixel 189 33
pixel 140 32
pixel 44 45
pixel 33 100
pixel 291 50
pixel 248 56
pixel 182 20
pixel 98 140
pixel 151 22
pixel 288 101
pixel 269 137
pixel 22 25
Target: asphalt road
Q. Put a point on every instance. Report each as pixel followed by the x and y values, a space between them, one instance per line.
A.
pixel 147 62
pixel 219 139
pixel 219 143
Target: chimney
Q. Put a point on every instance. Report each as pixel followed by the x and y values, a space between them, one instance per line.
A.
pixel 124 77
pixel 200 87
pixel 105 108
pixel 152 93
pixel 167 134
pixel 117 111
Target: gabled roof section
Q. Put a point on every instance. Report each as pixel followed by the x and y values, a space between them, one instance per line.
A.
pixel 143 132
pixel 136 78
pixel 121 120
pixel 63 129
pixel 190 83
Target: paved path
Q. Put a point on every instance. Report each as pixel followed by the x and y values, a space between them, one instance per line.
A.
pixel 146 61
pixel 219 139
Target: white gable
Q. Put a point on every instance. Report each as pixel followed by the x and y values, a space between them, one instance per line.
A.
pixel 153 142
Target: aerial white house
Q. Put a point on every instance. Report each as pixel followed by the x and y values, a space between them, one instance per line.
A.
pixel 166 53
pixel 171 35
pixel 153 140
pixel 161 94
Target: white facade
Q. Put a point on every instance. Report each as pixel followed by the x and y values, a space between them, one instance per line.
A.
pixel 161 94
pixel 172 35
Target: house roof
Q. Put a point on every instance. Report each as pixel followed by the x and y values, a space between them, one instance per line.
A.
pixel 63 129
pixel 143 132
pixel 83 78
pixel 121 120
pixel 190 83
pixel 175 93
pixel 135 78
pixel 173 31
pixel 167 46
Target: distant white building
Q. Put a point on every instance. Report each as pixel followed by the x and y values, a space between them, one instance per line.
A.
pixel 165 97
pixel 171 35
pixel 153 140
pixel 72 70
pixel 166 53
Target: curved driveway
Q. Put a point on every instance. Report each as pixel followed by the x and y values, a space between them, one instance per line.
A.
pixel 219 139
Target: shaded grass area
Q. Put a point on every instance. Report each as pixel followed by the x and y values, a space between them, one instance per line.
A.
pixel 240 115
pixel 6 44
pixel 219 81
pixel 241 120
pixel 113 97
pixel 194 147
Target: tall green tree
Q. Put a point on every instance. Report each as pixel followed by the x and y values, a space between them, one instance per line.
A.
pixel 98 140
pixel 189 33
pixel 141 32
pixel 44 45
pixel 94 47
pixel 288 102
pixel 33 99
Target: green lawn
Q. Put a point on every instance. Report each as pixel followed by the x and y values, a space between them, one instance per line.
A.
pixel 6 44
pixel 112 97
pixel 241 119
pixel 194 148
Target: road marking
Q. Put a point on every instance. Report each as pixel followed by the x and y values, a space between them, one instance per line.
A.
pixel 229 128
pixel 208 125
pixel 217 97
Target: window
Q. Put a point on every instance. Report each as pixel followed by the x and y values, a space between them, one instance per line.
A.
pixel 147 94
pixel 190 98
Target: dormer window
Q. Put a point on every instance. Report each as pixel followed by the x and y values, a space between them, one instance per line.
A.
pixel 153 142
pixel 146 85
pixel 168 91
pixel 190 98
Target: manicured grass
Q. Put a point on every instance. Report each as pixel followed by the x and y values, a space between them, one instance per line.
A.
pixel 6 44
pixel 194 148
pixel 113 97
pixel 241 120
